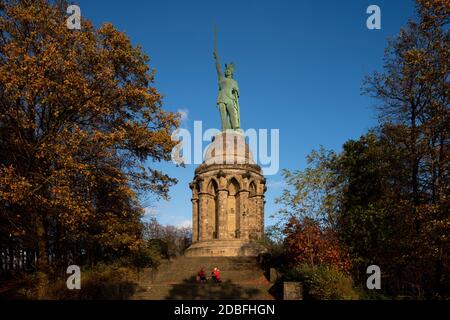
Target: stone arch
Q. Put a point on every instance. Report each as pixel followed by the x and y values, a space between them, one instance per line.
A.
pixel 253 213
pixel 213 209
pixel 235 180
pixel 196 188
pixel 212 186
pixel 252 188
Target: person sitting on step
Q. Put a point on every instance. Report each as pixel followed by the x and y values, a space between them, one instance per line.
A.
pixel 215 274
pixel 201 276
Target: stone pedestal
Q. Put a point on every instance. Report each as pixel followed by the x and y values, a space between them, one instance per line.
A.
pixel 292 291
pixel 227 200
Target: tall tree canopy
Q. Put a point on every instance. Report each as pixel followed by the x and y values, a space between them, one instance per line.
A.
pixel 79 118
pixel 386 194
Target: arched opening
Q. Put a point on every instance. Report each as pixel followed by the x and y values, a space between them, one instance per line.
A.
pixel 213 210
pixel 252 189
pixel 233 208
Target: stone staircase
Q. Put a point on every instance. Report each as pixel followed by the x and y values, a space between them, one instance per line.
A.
pixel 242 279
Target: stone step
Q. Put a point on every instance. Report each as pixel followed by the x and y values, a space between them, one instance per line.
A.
pixel 212 262
pixel 242 278
pixel 200 262
pixel 207 291
pixel 231 275
pixel 208 269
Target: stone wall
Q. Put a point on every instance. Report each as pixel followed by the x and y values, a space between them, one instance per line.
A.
pixel 227 203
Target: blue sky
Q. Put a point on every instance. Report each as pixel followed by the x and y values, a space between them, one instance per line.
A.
pixel 299 65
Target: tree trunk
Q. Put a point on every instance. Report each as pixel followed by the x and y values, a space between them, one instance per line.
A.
pixel 42 261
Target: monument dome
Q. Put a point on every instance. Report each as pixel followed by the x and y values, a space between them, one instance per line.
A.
pixel 229 147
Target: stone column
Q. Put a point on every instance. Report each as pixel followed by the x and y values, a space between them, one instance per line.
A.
pixel 195 220
pixel 263 202
pixel 202 211
pixel 223 221
pixel 222 198
pixel 210 216
pixel 222 203
pixel 244 205
pixel 261 189
pixel 259 215
pixel 243 213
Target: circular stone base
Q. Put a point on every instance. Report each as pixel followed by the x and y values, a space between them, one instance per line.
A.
pixel 224 248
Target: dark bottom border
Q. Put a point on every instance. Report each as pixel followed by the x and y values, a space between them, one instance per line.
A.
pixel 270 310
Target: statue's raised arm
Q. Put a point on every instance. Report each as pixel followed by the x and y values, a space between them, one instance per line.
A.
pixel 219 72
pixel 216 57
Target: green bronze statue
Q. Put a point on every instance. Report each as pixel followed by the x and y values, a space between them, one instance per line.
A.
pixel 228 98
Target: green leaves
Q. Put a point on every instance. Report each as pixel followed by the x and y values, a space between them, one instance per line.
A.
pixel 309 191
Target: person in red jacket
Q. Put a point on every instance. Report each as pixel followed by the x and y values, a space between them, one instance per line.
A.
pixel 215 274
pixel 201 276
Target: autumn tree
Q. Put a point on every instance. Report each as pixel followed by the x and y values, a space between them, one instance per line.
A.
pixel 79 118
pixel 385 195
pixel 370 175
pixel 306 216
pixel 413 91
pixel 313 252
pixel 308 192
pixel 170 240
pixel 309 243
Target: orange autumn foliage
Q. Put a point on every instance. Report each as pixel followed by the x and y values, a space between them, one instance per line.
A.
pixel 307 242
pixel 79 119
